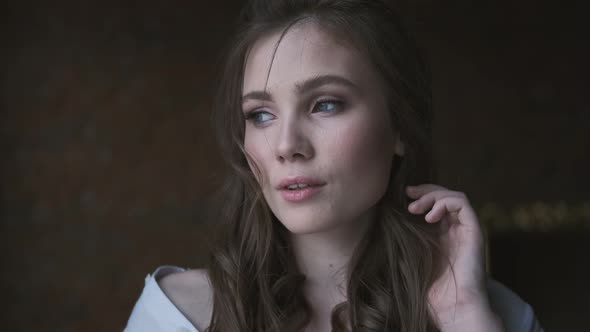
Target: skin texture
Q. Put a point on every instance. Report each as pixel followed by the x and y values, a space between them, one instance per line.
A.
pixel 191 293
pixel 350 148
pixel 458 298
pixel 349 145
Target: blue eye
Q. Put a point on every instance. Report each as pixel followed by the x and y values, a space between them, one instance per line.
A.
pixel 328 106
pixel 259 117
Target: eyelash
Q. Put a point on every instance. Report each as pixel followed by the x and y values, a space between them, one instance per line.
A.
pixel 337 103
pixel 252 115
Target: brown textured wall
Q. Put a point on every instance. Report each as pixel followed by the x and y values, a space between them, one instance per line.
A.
pixel 109 161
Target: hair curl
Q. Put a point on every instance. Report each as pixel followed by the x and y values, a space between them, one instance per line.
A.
pixel 257 286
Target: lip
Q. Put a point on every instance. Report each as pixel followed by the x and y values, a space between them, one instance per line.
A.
pixel 299 179
pixel 314 186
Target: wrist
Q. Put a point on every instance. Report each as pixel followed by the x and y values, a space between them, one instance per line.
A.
pixel 472 317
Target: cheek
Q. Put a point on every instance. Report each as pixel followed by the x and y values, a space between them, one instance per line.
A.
pixel 365 153
pixel 255 155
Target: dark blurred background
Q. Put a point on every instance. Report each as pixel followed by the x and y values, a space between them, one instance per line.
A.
pixel 108 158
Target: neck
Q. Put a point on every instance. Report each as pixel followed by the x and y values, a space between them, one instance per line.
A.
pixel 323 258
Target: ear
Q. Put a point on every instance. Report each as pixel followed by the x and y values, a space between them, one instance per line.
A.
pixel 399 146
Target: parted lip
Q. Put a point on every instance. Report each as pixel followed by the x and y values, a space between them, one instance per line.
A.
pixel 299 180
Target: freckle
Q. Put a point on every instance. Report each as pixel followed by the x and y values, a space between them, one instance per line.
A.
pixel 331 265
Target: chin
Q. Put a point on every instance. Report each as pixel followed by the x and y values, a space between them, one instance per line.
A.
pixel 302 230
pixel 302 225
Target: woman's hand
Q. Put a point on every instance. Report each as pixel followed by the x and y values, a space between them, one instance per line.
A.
pixel 458 298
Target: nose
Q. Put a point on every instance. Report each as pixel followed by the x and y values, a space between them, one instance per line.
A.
pixel 293 143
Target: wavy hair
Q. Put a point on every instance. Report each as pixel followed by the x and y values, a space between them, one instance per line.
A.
pixel 256 283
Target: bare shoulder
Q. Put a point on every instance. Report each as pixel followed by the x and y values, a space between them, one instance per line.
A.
pixel 190 291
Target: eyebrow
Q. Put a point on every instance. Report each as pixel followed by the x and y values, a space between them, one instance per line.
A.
pixel 304 87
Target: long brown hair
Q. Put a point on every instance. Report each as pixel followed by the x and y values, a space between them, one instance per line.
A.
pixel 256 284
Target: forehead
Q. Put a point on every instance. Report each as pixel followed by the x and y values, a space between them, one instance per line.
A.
pixel 305 50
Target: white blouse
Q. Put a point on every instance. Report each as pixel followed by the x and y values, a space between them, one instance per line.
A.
pixel 154 312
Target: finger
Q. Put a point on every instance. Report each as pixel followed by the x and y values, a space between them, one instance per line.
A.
pixel 420 190
pixel 465 213
pixel 422 204
pixel 437 212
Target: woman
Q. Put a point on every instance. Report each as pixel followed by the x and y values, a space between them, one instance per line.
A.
pixel 324 114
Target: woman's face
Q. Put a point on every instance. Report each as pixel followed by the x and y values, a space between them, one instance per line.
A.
pixel 317 120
